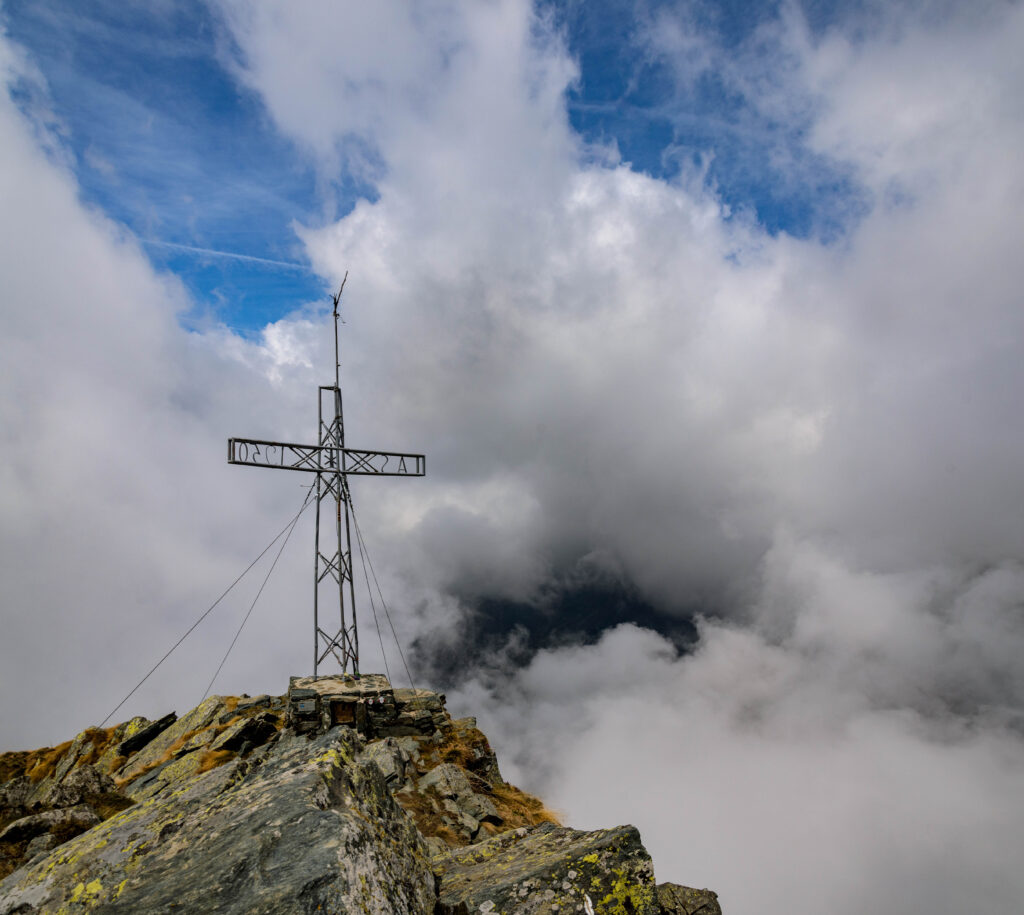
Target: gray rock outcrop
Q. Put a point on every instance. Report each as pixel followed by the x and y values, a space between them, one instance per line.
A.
pixel 79 786
pixel 254 732
pixel 160 748
pixel 139 738
pixel 15 793
pixel 72 820
pixel 685 900
pixel 247 806
pixel 452 784
pixel 307 828
pixel 549 869
pixel 394 761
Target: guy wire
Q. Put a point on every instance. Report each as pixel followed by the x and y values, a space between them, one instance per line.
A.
pixel 205 614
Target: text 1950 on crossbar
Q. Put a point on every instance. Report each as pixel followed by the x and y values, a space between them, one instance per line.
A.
pixel 319 459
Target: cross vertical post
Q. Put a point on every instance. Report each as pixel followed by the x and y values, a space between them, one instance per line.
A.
pixel 332 463
pixel 336 569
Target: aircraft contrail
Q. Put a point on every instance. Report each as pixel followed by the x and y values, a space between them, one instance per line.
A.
pixel 230 254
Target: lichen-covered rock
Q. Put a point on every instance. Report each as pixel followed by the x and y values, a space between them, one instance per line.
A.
pixel 549 869
pixel 82 800
pixel 85 748
pixel 140 732
pixel 451 782
pixel 68 821
pixel 234 816
pixel 80 747
pixel 480 757
pixel 392 759
pixel 305 827
pixel 158 749
pixel 15 793
pixel 79 786
pixel 40 845
pixel 201 740
pixel 251 732
pixel 685 900
pixel 253 702
pixel 168 776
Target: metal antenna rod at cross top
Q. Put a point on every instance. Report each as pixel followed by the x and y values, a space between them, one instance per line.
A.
pixel 332 463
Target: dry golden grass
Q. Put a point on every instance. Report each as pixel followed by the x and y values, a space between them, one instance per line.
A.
pixel 213 758
pixel 101 739
pixel 166 756
pixel 43 763
pixel 461 748
pixel 517 808
pixel 106 805
pixel 11 857
pixel 15 763
pixel 424 808
pixel 179 743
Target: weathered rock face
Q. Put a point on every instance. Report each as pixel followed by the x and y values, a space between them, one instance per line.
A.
pixel 145 733
pixel 417 711
pixel 157 748
pixel 77 818
pixel 28 827
pixel 684 900
pixel 393 760
pixel 305 828
pixel 228 810
pixel 479 758
pixel 452 783
pixel 549 869
pixel 40 784
pixel 79 786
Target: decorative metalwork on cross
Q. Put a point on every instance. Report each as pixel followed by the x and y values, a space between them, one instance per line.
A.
pixel 332 463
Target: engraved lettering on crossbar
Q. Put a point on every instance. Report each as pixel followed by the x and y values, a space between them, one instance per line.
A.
pixel 320 459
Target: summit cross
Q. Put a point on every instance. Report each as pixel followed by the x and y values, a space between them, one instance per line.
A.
pixel 332 463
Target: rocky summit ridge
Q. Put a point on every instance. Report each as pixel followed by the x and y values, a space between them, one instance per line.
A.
pixel 273 805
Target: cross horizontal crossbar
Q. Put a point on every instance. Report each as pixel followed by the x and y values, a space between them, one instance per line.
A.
pixel 320 459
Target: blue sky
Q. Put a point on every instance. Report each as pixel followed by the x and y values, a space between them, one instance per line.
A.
pixel 632 97
pixel 166 142
pixel 169 143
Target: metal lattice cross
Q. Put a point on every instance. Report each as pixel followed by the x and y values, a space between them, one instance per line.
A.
pixel 332 463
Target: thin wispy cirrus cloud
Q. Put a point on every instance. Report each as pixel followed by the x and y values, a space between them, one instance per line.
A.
pixel 709 323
